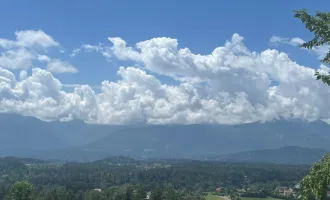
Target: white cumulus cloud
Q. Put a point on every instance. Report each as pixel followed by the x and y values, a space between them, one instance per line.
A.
pixel 23 52
pixel 231 85
pixel 29 39
pixel 57 65
pixel 17 58
pixel 100 48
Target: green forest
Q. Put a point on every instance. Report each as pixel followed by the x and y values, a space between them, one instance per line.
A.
pixel 126 178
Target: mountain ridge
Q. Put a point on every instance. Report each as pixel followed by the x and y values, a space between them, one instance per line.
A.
pixel 76 140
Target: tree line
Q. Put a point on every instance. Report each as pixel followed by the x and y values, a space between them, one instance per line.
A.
pixel 25 191
pixel 117 177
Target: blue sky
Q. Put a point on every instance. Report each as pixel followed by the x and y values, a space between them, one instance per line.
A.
pixel 191 65
pixel 198 25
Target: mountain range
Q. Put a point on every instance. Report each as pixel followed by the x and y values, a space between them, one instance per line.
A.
pixel 279 141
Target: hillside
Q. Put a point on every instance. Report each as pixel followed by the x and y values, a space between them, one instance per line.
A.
pixel 78 141
pixel 198 141
pixel 20 134
pixel 116 171
pixel 284 155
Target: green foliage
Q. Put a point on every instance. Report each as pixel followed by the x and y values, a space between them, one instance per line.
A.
pixel 156 194
pixel 315 184
pixel 189 175
pixel 56 193
pixel 324 78
pixel 123 192
pixel 234 195
pixel 167 180
pixel 320 26
pixel 21 191
pixel 94 195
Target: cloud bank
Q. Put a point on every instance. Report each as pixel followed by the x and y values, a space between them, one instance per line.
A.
pixel 231 85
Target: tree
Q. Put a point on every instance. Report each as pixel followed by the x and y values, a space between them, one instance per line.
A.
pixel 316 183
pixel 2 192
pixel 56 194
pixel 128 193
pixel 170 194
pixel 157 194
pixel 234 195
pixel 94 195
pixel 320 26
pixel 21 191
pixel 139 192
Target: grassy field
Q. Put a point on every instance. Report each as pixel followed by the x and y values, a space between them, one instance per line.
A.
pixel 213 197
pixel 247 198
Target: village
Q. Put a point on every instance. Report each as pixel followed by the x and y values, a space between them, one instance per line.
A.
pixel 281 192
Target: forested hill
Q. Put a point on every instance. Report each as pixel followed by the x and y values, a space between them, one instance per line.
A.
pixel 111 171
pixel 284 155
pixel 72 181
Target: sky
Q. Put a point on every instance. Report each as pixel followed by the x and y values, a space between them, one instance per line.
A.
pixel 160 62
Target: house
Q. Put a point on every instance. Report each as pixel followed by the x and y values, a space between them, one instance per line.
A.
pixel 289 192
pixel 286 191
pixel 98 189
pixel 219 189
pixel 281 189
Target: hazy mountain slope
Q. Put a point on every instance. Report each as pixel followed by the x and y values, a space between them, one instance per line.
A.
pixel 75 140
pixel 284 155
pixel 20 134
pixel 185 141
